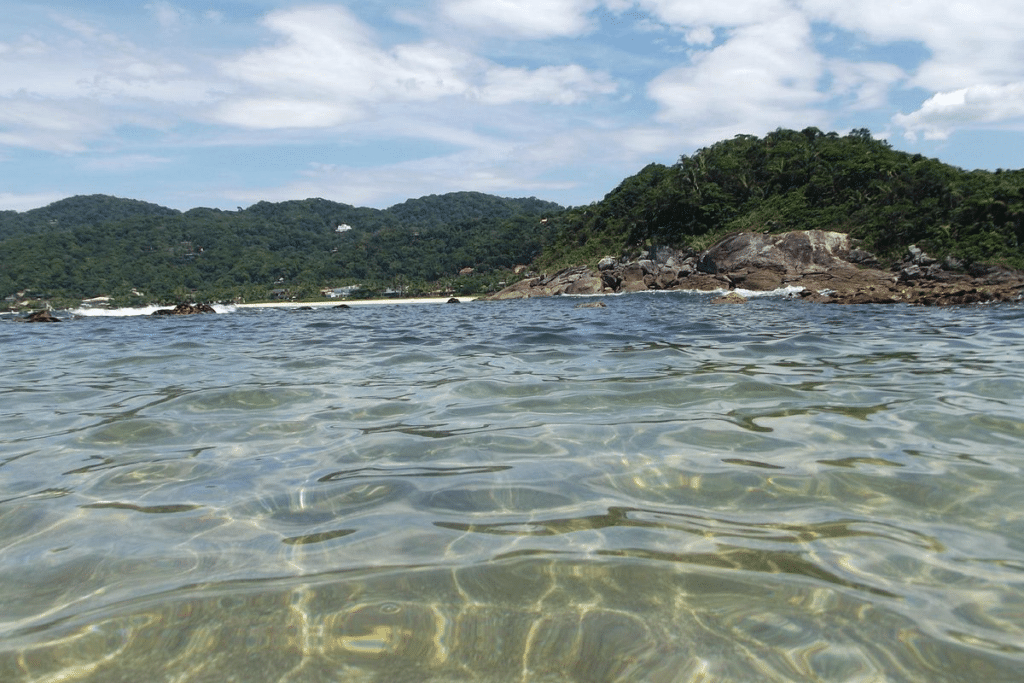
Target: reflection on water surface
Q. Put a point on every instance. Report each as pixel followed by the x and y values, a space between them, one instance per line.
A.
pixel 662 490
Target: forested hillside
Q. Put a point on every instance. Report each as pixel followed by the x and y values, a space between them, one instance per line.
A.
pixel 75 211
pixel 99 245
pixel 791 180
pixel 787 180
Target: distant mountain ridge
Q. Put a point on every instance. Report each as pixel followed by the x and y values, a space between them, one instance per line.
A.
pixel 430 210
pixel 90 245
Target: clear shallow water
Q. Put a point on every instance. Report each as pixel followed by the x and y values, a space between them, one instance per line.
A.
pixel 661 490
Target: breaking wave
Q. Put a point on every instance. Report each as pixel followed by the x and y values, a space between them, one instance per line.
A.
pixel 89 312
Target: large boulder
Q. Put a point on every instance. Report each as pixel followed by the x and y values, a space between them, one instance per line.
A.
pixel 788 255
pixel 585 284
pixel 578 280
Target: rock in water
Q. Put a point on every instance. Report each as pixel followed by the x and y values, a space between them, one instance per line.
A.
pixel 185 309
pixel 40 317
pixel 730 298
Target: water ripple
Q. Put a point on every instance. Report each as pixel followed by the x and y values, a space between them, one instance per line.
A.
pixel 663 490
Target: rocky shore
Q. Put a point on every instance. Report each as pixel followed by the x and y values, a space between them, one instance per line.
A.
pixel 824 267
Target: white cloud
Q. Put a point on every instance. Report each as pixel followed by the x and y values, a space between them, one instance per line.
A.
pixel 471 101
pixel 39 124
pixel 125 162
pixel 328 71
pixel 554 84
pixel 975 42
pixel 11 201
pixel 25 47
pixel 90 63
pixel 519 152
pixel 975 64
pixel 867 84
pixel 763 77
pixel 69 83
pixel 691 14
pixel 166 14
pixel 523 18
pixel 983 105
pixel 478 169
pixel 702 35
pixel 268 112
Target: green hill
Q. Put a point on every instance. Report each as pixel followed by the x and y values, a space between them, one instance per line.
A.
pixel 75 211
pixel 88 246
pixel 791 180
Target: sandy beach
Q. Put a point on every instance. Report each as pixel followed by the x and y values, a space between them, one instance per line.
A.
pixel 350 302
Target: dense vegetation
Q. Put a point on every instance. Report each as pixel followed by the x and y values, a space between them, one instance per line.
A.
pixel 791 180
pixel 787 180
pixel 99 245
pixel 75 211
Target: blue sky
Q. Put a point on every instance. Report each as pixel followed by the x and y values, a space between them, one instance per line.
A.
pixel 223 103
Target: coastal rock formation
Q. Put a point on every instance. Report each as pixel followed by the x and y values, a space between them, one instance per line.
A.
pixel 825 267
pixel 730 298
pixel 185 309
pixel 40 317
pixel 764 262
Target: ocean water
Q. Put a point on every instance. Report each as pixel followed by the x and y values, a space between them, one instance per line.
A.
pixel 660 490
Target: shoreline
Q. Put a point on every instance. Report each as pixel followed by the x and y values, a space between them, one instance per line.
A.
pixel 350 302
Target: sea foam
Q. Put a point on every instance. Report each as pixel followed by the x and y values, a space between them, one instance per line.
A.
pixel 89 312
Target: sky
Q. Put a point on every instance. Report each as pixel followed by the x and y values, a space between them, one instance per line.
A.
pixel 224 103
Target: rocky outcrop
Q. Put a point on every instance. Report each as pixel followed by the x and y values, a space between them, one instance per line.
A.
pixel 663 269
pixel 579 280
pixel 730 298
pixel 823 266
pixel 765 262
pixel 185 309
pixel 918 280
pixel 40 317
pixel 942 288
